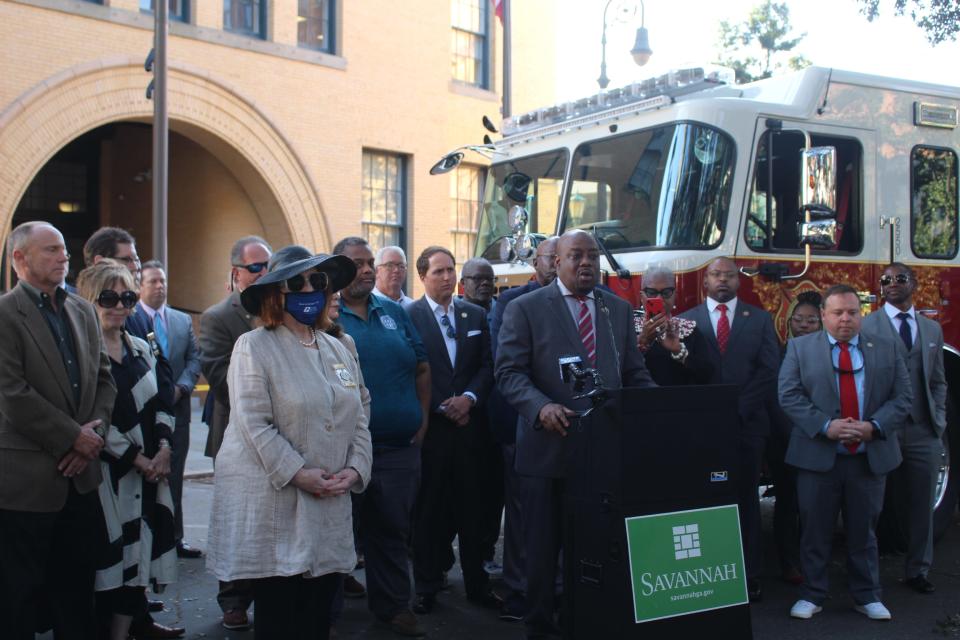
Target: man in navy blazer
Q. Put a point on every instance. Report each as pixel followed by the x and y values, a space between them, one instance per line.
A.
pixel 571 317
pixel 847 394
pixel 457 339
pixel 743 349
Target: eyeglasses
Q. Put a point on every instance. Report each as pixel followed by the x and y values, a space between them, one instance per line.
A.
pixel 806 319
pixel 318 280
pixel 666 292
pixel 451 332
pixel 492 279
pixel 393 266
pixel 109 298
pixel 253 267
pixel 900 278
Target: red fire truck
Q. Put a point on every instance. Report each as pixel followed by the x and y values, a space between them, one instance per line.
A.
pixel 810 179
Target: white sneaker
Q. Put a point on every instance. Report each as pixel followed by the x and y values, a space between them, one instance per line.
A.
pixel 874 611
pixel 804 609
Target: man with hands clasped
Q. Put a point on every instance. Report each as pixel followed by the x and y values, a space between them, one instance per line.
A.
pixel 847 394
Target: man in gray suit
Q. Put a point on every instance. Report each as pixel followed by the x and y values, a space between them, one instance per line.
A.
pixel 220 327
pixel 920 438
pixel 742 347
pixel 56 398
pixel 173 331
pixel 586 323
pixel 847 394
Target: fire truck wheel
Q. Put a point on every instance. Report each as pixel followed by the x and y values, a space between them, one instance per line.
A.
pixel 891 530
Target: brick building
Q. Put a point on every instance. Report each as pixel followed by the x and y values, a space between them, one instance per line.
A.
pixel 300 120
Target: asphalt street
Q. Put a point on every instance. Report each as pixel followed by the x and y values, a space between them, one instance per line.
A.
pixel 191 602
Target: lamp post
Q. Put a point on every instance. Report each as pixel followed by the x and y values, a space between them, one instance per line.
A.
pixel 641 51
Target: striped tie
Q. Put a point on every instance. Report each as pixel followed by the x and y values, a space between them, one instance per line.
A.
pixel 585 327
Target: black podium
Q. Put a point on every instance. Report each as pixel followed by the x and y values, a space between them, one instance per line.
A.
pixel 643 452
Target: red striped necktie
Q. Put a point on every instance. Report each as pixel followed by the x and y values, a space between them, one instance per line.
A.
pixel 585 328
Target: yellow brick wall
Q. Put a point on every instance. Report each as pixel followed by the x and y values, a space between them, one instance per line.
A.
pixel 394 93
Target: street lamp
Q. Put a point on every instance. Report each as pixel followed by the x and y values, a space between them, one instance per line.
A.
pixel 641 51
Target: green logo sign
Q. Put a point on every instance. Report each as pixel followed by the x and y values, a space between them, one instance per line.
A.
pixel 685 562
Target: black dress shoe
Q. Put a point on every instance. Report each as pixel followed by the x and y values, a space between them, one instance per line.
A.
pixel 753 591
pixel 154 606
pixel 186 551
pixel 920 584
pixel 425 603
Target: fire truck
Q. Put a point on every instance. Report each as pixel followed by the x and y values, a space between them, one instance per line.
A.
pixel 806 180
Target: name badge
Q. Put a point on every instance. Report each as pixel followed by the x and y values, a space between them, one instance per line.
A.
pixel 388 322
pixel 343 374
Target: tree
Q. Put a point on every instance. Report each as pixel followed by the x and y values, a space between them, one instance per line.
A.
pixel 940 19
pixel 755 48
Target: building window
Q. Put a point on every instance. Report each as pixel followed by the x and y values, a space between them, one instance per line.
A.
pixel 466 194
pixel 469 41
pixel 383 199
pixel 315 22
pixel 933 202
pixel 178 9
pixel 246 17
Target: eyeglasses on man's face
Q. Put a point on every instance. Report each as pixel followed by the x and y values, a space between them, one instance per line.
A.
pixel 392 266
pixel 900 278
pixel 478 279
pixel 253 267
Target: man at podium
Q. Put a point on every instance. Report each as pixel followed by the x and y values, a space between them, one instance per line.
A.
pixel 568 321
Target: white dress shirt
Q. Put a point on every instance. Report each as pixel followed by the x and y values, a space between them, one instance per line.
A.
pixel 450 312
pixel 892 312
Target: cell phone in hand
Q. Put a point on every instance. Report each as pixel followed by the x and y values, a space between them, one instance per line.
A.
pixel 652 307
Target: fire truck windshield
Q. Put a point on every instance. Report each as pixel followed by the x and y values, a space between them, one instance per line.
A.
pixel 662 188
pixel 535 182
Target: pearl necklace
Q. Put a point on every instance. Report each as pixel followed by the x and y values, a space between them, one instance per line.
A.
pixel 312 342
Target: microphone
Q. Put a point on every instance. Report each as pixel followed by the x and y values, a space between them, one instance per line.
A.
pixel 602 306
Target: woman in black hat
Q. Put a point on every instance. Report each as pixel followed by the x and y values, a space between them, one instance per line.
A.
pixel 296 446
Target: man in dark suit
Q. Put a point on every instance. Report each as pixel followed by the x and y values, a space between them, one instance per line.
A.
pixel 503 425
pixel 920 438
pixel 847 394
pixel 220 327
pixel 584 322
pixel 743 349
pixel 173 331
pixel 56 398
pixel 457 341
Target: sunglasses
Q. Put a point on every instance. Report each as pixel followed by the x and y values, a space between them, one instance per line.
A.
pixel 666 292
pixel 255 267
pixel 318 280
pixel 109 298
pixel 900 278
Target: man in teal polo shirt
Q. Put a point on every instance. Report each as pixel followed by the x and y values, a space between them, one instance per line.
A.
pixel 395 370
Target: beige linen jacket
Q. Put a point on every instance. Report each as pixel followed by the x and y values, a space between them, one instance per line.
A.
pixel 291 407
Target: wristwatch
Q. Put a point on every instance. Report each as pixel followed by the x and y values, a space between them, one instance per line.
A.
pixel 164 443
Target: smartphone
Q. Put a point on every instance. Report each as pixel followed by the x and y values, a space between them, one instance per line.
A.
pixel 652 307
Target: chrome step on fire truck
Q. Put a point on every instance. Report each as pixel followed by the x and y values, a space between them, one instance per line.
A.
pixel 809 179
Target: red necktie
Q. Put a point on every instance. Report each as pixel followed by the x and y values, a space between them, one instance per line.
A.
pixel 723 328
pixel 849 406
pixel 585 327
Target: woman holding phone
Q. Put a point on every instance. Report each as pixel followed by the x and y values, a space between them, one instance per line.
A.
pixel 673 348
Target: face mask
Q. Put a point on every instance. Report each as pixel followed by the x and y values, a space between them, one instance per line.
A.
pixel 305 307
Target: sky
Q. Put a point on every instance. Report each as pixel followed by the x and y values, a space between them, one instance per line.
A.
pixel 684 33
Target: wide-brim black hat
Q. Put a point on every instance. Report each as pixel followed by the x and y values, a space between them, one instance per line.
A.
pixel 293 260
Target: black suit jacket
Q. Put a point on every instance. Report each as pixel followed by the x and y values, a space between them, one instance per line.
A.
pixel 537 331
pixel 751 361
pixel 473 370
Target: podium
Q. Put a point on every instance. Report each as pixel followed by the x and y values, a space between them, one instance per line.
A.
pixel 651 535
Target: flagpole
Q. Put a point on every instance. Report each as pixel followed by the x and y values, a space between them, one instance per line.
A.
pixel 507 80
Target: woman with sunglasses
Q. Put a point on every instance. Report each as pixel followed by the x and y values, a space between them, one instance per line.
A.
pixel 296 446
pixel 673 348
pixel 137 546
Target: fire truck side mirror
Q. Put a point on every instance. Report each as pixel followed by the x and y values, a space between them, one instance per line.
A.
pixel 819 234
pixel 818 181
pixel 447 163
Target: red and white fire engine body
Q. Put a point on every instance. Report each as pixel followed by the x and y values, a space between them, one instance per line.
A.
pixel 684 168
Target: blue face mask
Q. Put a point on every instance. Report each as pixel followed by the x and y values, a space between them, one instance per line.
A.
pixel 305 307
